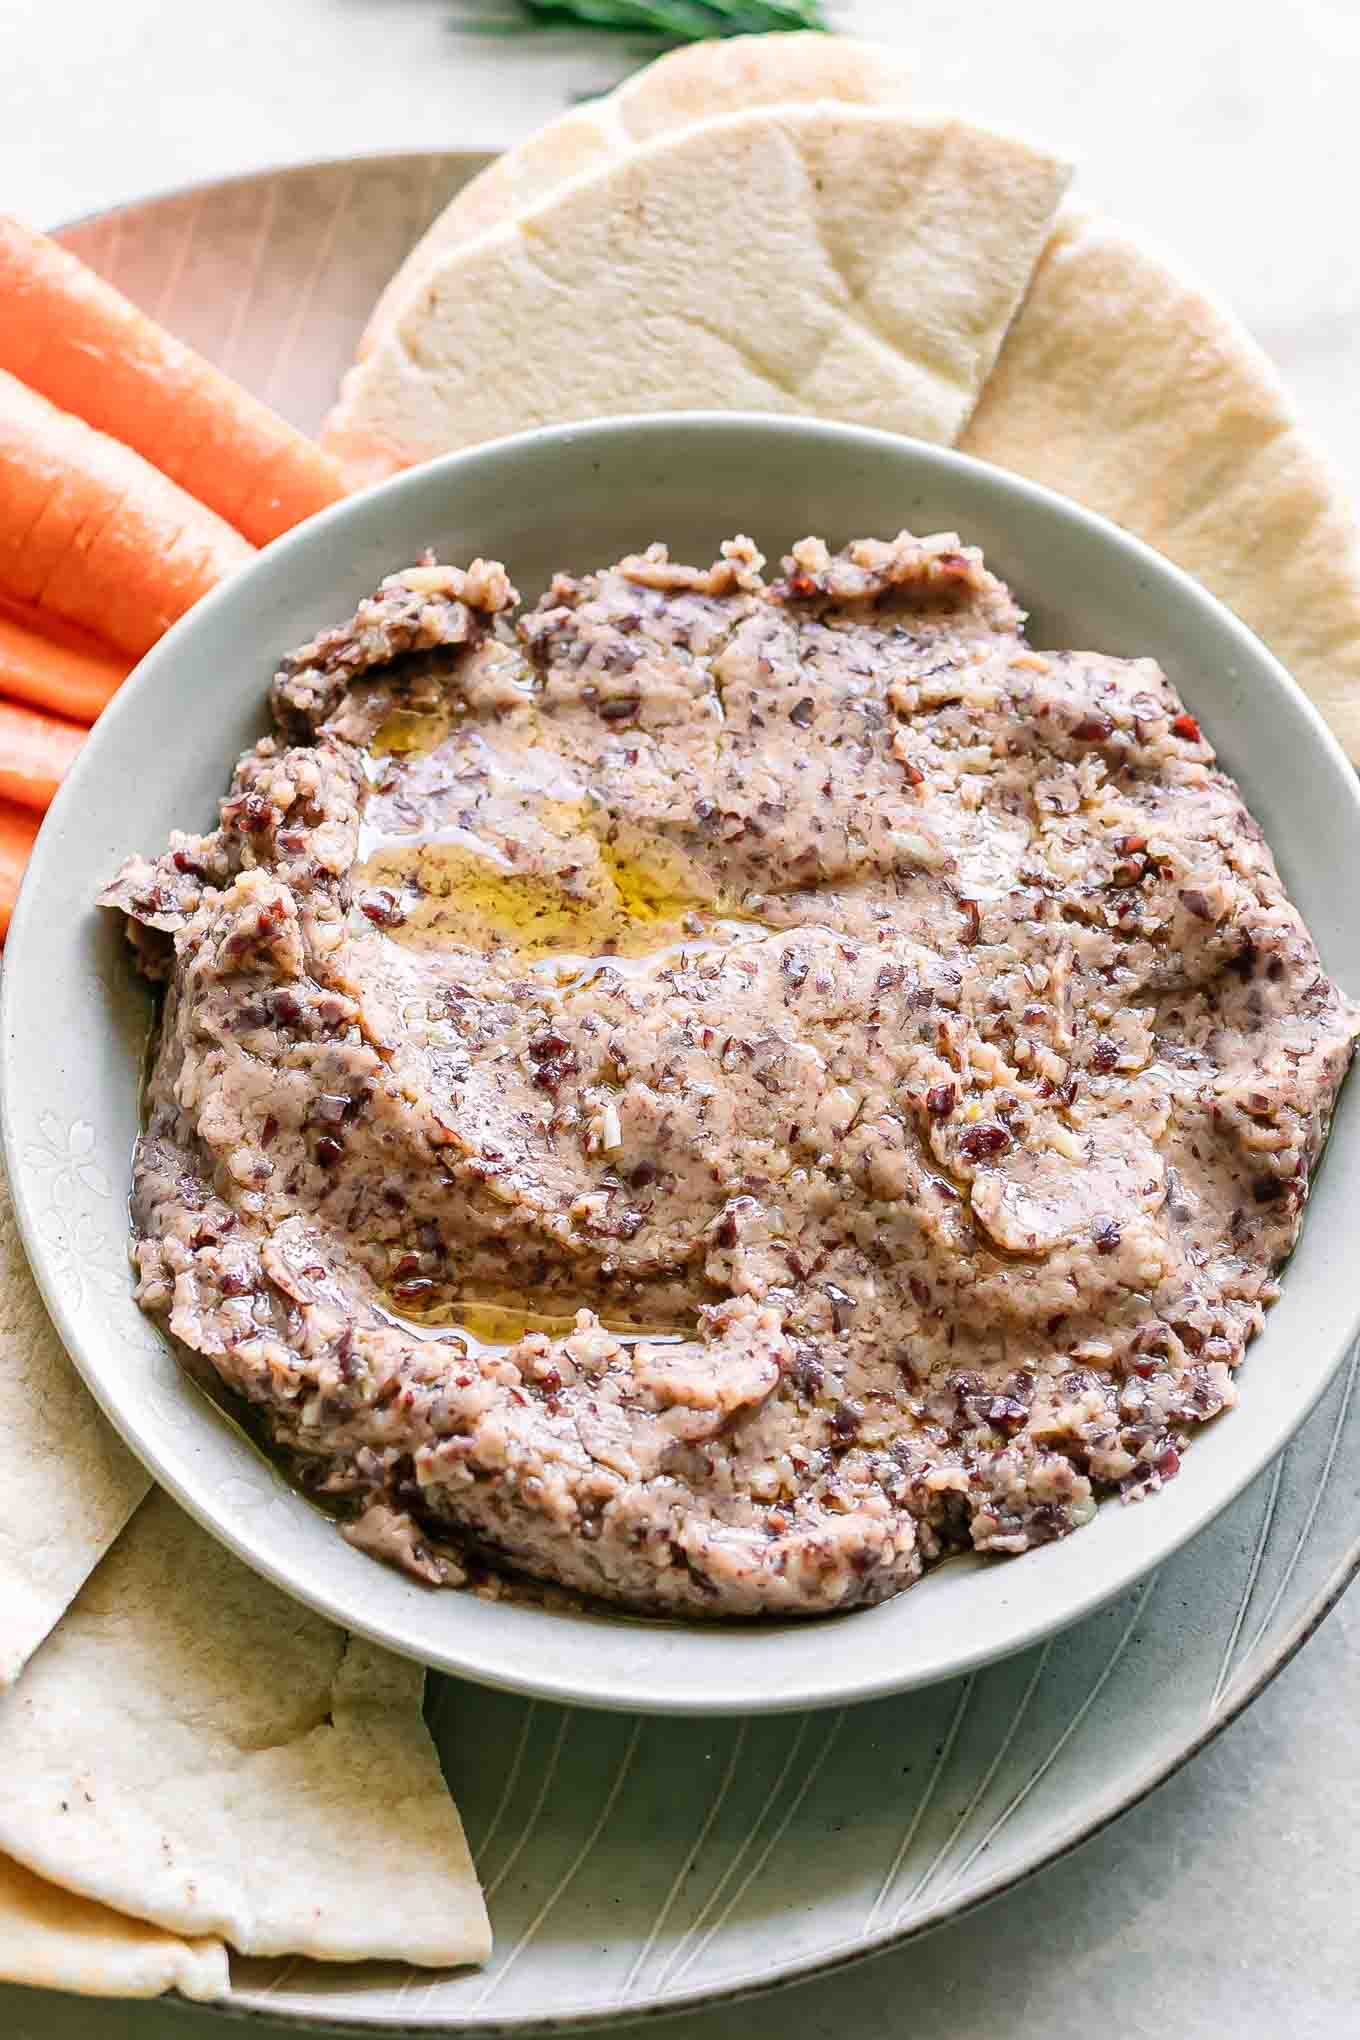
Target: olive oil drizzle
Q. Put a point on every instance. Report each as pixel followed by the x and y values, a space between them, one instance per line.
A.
pixel 495 1327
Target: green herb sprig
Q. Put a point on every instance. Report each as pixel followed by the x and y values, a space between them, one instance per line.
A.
pixel 674 21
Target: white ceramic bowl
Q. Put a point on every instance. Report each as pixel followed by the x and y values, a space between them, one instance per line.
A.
pixel 75 1017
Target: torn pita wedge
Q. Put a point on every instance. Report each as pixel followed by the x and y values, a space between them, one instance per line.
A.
pixel 837 262
pixel 51 1940
pixel 729 76
pixel 71 1484
pixel 1123 385
pixel 194 1749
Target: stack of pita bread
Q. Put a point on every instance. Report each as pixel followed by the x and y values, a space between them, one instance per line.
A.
pixel 192 1761
pixel 773 224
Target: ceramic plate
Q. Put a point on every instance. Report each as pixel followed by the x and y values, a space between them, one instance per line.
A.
pixel 642 1864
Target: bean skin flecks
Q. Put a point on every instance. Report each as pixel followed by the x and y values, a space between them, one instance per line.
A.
pixel 719 1090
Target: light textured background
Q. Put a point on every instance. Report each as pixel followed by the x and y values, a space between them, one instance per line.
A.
pixel 1224 1904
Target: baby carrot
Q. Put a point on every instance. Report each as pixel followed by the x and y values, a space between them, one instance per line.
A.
pixel 81 343
pixel 35 752
pixel 18 827
pixel 52 665
pixel 93 533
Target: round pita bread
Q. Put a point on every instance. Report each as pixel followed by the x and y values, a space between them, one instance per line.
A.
pixel 1123 385
pixel 193 1749
pixel 72 1483
pixel 51 1940
pixel 690 84
pixel 748 71
pixel 895 246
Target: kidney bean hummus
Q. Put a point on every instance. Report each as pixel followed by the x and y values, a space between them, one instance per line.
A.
pixel 719 1092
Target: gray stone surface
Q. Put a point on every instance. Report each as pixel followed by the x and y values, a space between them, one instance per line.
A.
pixel 1225 1903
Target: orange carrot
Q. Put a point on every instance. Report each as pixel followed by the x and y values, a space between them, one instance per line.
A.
pixel 35 753
pixel 73 337
pixel 17 829
pixel 93 533
pixel 52 665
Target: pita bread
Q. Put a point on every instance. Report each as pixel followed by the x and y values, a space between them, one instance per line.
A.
pixel 51 1940
pixel 194 1749
pixel 896 248
pixel 747 71
pixel 689 84
pixel 71 1484
pixel 512 184
pixel 1123 385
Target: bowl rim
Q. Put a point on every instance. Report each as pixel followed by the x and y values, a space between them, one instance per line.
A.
pixel 1023 496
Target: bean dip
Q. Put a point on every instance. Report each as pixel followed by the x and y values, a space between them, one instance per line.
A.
pixel 718 1092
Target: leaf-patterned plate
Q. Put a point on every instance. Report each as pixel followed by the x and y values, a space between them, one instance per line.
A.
pixel 643 1863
